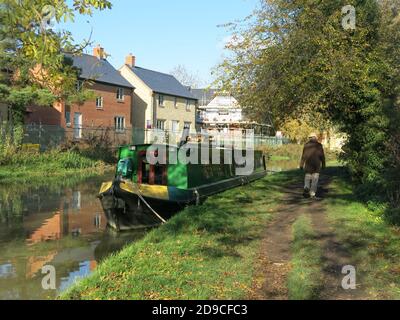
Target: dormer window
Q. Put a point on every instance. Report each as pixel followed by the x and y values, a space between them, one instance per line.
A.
pixel 120 94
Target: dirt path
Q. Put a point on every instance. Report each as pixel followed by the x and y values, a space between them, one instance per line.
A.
pixel 270 281
pixel 271 276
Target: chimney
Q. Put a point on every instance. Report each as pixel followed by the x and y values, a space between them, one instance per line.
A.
pixel 130 60
pixel 98 52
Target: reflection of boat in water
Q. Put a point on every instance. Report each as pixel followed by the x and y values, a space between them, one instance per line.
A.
pixel 141 191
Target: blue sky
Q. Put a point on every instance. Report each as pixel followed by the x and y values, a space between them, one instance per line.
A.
pixel 164 33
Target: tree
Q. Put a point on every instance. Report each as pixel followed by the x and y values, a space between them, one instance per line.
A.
pixel 294 58
pixel 33 63
pixel 181 73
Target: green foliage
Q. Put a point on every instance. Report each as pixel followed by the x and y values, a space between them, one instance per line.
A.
pixel 294 59
pixel 10 142
pixel 298 130
pixel 50 160
pixel 293 152
pixel 98 146
pixel 13 155
pixel 33 65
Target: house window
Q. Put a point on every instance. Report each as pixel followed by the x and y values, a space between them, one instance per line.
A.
pixel 161 100
pixel 120 94
pixel 119 124
pixel 188 106
pixel 175 126
pixel 68 118
pixel 160 124
pixel 99 102
pixel 176 102
pixel 187 125
pixel 79 85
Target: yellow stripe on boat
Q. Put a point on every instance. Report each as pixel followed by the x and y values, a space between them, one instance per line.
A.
pixel 106 186
pixel 155 192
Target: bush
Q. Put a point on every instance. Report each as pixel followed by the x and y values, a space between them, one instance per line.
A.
pixel 54 159
pixel 10 142
pixel 98 146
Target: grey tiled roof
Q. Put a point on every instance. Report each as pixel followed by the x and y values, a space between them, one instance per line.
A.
pixel 99 70
pixel 163 83
pixel 205 96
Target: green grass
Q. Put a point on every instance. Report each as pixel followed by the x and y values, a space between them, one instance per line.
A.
pixel 205 252
pixel 28 167
pixel 210 251
pixel 374 244
pixel 305 276
pixel 293 152
pixel 280 158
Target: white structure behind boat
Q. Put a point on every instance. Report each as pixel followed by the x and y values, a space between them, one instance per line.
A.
pixel 222 112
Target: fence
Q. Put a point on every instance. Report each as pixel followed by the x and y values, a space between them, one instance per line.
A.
pixel 52 136
pixel 150 136
pixel 48 136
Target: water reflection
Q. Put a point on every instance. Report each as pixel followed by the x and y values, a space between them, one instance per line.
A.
pixel 62 225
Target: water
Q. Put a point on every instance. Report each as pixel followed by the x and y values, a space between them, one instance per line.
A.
pixel 60 225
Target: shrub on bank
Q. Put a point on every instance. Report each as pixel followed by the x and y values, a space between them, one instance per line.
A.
pixel 13 152
pixel 53 159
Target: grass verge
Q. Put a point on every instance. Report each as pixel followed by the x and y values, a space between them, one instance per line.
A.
pixel 305 275
pixel 372 242
pixel 26 167
pixel 205 252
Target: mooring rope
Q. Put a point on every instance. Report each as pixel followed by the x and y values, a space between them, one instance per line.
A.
pixel 139 193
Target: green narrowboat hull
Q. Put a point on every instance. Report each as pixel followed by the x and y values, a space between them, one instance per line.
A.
pixel 140 191
pixel 175 195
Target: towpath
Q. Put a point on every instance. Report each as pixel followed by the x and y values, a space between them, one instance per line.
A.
pixel 270 281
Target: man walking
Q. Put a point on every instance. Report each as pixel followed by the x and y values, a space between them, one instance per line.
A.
pixel 312 161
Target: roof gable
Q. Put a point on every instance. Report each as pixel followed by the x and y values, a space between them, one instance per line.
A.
pixel 99 70
pixel 162 83
pixel 205 96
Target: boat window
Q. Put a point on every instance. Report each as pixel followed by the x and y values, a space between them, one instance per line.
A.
pixel 145 172
pixel 125 168
pixel 160 175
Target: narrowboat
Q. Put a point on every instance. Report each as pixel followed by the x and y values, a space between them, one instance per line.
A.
pixel 143 194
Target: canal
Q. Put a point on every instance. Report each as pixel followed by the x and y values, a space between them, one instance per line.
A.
pixel 61 225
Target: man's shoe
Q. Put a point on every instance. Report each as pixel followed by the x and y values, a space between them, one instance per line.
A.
pixel 315 197
pixel 306 193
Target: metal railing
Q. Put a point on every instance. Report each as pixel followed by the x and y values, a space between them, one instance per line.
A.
pixel 48 136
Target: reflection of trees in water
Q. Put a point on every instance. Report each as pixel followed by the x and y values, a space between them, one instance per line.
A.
pixel 25 209
pixel 11 208
pixel 19 199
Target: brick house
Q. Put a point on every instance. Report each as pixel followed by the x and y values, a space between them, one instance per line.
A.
pixel 112 107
